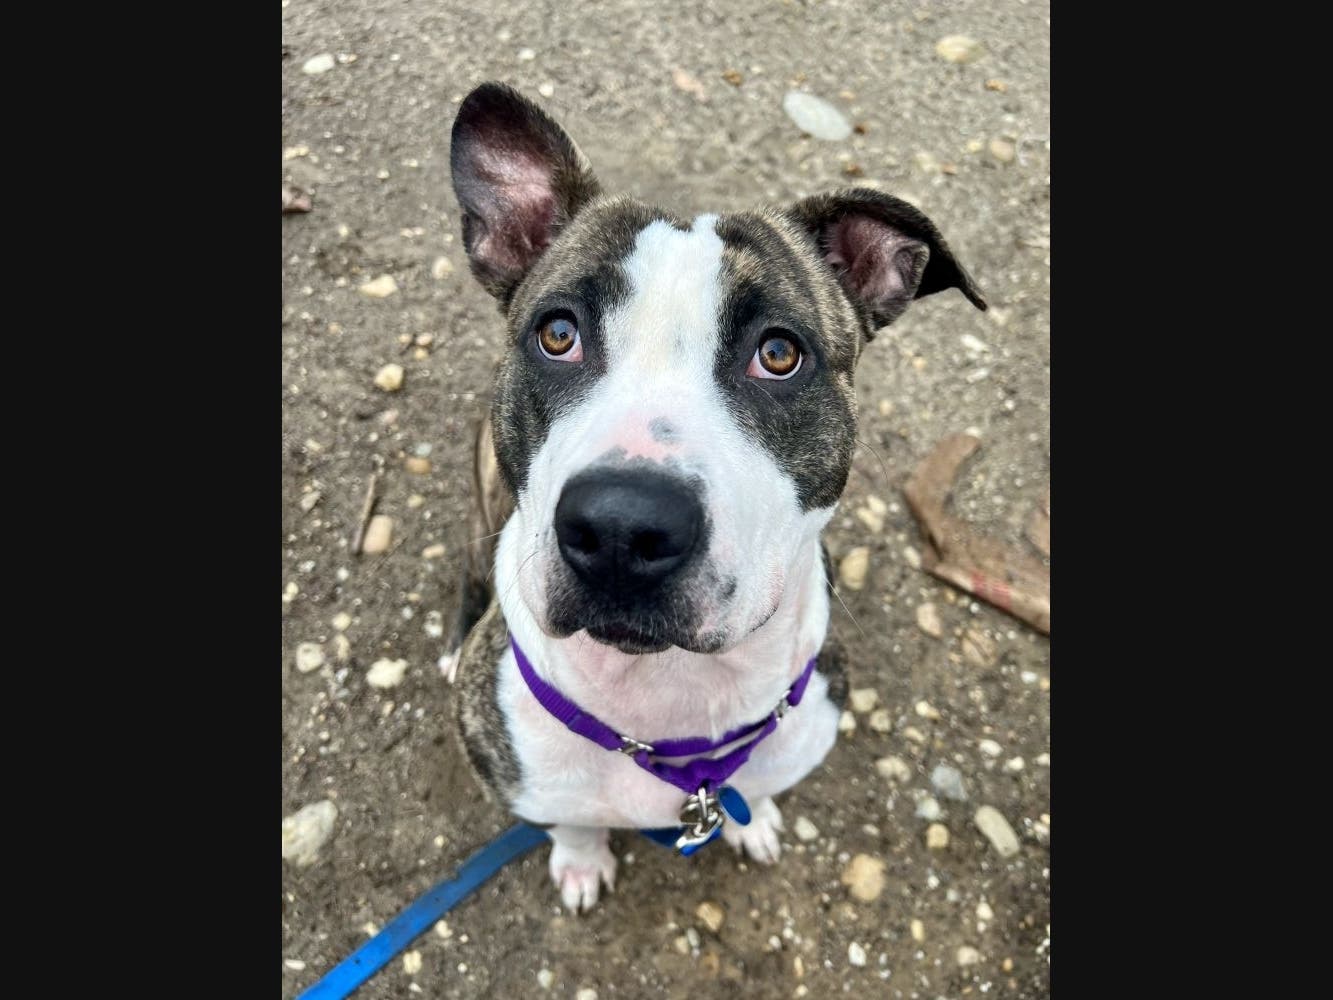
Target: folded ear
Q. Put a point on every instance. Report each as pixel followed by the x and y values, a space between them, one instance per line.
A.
pixel 884 252
pixel 519 179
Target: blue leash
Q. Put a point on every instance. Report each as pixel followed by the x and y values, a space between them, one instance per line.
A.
pixel 344 978
pixel 403 929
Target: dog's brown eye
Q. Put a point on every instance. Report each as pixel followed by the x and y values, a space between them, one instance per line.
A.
pixel 559 339
pixel 778 357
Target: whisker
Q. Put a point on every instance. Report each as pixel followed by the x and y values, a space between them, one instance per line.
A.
pixel 882 467
pixel 829 584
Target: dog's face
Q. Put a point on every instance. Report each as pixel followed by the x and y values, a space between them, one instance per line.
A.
pixel 676 412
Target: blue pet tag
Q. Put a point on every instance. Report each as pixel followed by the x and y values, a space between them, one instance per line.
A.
pixel 734 803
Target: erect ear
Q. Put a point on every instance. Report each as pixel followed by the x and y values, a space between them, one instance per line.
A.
pixel 519 179
pixel 884 252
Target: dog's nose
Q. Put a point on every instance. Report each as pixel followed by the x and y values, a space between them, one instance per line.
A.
pixel 627 530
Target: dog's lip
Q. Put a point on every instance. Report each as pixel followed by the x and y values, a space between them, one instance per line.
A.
pixel 627 639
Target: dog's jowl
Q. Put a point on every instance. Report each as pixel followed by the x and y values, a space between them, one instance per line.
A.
pixel 672 426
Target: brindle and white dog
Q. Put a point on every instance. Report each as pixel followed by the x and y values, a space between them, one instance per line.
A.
pixel 672 426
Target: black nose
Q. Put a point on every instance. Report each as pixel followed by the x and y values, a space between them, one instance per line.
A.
pixel 627 530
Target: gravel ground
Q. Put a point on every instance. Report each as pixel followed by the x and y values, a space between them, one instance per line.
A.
pixel 887 887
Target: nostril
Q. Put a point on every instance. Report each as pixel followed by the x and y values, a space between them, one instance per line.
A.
pixel 578 536
pixel 651 546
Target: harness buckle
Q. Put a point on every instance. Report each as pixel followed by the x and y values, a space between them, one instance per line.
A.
pixel 630 746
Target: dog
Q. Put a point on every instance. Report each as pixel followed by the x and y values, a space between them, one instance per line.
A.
pixel 671 428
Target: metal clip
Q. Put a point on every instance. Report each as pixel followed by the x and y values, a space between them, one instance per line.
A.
pixel 629 746
pixel 702 819
pixel 784 706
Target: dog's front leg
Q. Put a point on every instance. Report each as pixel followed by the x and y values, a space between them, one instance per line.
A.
pixel 759 837
pixel 580 862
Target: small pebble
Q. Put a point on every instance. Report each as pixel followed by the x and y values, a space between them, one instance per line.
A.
pixel 912 557
pixel 1013 765
pixel 341 621
pixel 295 964
pixel 974 345
pixel 864 699
pixel 306 831
pixel 412 962
pixel 435 551
pixel 991 822
pixel 441 268
pixel 379 533
pixel 928 620
pixel 815 116
pixel 734 78
pixel 381 288
pixel 1007 965
pixel 918 931
pixel 847 723
pixel 978 648
pixel 805 830
pixel 386 673
pixel 948 782
pixel 309 656
pixel 309 500
pixel 984 912
pixel 997 85
pixel 958 48
pixel 937 836
pixel 894 768
pixel 443 929
pixel 526 55
pixel 852 570
pixel 874 522
pixel 928 809
pixel 415 500
pixel 1043 760
pixel 914 734
pixel 692 936
pixel 1002 150
pixel 990 748
pixel 316 65
pixel 545 978
pixel 927 711
pixel 864 877
pixel 546 89
pixel 877 505
pixel 967 955
pixel 418 466
pixel 390 378
pixel 711 915
pixel 681 944
pixel 424 340
pixel 856 954
pixel 881 721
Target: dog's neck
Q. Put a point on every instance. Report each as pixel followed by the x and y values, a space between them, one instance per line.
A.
pixel 677 693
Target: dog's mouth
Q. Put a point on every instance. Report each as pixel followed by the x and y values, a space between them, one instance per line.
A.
pixel 627 639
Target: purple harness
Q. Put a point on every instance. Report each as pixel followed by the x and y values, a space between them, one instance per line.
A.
pixel 702 779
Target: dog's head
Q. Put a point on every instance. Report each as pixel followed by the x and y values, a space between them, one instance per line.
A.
pixel 675 414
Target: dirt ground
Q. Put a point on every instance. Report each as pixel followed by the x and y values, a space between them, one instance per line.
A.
pixel 967 142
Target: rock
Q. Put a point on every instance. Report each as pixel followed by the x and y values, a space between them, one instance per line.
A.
pixel 928 620
pixel 415 500
pixel 816 117
pixel 880 721
pixel 342 649
pixel 978 648
pixel 853 568
pixel 937 836
pixel 526 55
pixel 927 711
pixel 306 831
pixel 386 673
pixel 545 978
pixel 434 625
pixel 341 621
pixel 991 822
pixel 309 656
pixel 681 944
pixel 441 268
pixel 958 48
pixel 877 505
pixel 379 533
pixel 546 89
pixel 805 830
pixel 1014 764
pixel 381 288
pixel 928 809
pixel 1007 965
pixel 733 77
pixel 864 699
pixel 984 912
pixel 864 876
pixel 847 723
pixel 967 955
pixel 443 929
pixel 411 962
pixel 295 964
pixel 587 993
pixel 856 954
pixel 914 734
pixel 874 522
pixel 390 378
pixel 435 551
pixel 918 931
pixel 316 65
pixel 309 500
pixel 990 748
pixel 690 84
pixel 912 557
pixel 948 782
pixel 1002 150
pixel 418 466
pixel 997 85
pixel 710 915
pixel 1043 760
pixel 894 768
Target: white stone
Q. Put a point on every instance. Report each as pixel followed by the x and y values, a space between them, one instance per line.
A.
pixel 864 699
pixel 991 822
pixel 856 954
pixel 386 673
pixel 380 288
pixel 815 116
pixel 316 65
pixel 990 748
pixel 894 768
pixel 805 830
pixel 309 656
pixel 306 831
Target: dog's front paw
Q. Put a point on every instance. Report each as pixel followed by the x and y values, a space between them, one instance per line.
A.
pixel 759 837
pixel 580 862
